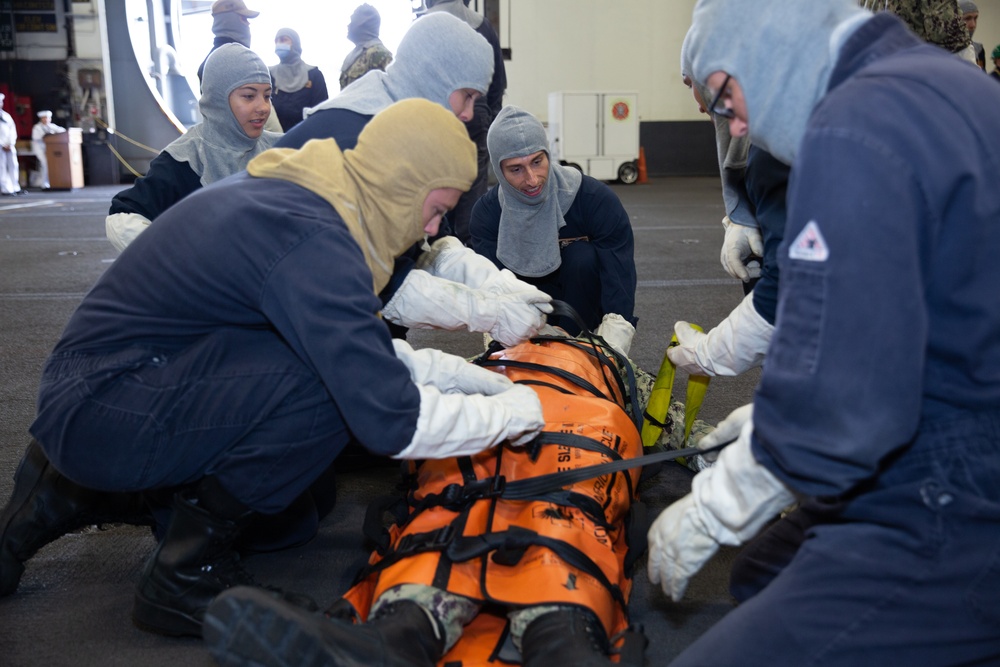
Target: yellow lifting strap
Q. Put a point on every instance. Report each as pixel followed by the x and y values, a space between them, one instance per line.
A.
pixel 659 399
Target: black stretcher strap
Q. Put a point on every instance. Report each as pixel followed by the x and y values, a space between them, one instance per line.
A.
pixel 564 309
pixel 656 422
pixel 508 547
pixel 540 368
pixel 526 488
pixel 539 383
pixel 581 501
pixel 602 354
pixel 571 440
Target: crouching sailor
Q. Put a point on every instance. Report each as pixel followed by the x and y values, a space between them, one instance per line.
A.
pixel 235 348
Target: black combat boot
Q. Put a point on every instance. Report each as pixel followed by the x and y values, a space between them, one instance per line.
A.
pixel 248 626
pixel 45 505
pixel 570 637
pixel 193 563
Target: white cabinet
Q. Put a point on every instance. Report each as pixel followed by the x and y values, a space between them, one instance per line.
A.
pixel 595 132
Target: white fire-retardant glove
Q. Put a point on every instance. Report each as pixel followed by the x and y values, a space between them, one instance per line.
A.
pixel 728 504
pixel 508 286
pixel 449 373
pixel 460 425
pixel 451 260
pixel 505 282
pixel 740 243
pixel 726 430
pixel 424 301
pixel 736 345
pixel 122 228
pixel 617 331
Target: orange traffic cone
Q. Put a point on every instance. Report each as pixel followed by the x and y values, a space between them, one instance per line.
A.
pixel 643 178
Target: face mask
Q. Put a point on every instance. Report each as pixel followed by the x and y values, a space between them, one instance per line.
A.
pixel 282 49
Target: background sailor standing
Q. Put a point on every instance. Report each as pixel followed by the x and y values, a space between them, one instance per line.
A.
pixel 9 174
pixel 41 128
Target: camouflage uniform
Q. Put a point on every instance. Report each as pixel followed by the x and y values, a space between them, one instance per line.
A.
pixel 453 612
pixel 376 57
pixel 938 22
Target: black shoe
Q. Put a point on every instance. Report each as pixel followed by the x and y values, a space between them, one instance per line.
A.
pixel 20 193
pixel 247 626
pixel 194 563
pixel 45 505
pixel 570 637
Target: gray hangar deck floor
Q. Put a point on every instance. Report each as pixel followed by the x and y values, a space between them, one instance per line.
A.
pixel 74 602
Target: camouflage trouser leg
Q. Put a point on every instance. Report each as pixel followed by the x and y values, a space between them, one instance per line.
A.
pixel 449 613
pixel 675 438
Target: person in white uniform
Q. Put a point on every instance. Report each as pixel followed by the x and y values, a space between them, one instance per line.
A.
pixel 9 175
pixel 38 131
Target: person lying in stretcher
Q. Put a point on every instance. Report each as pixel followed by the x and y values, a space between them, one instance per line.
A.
pixel 512 554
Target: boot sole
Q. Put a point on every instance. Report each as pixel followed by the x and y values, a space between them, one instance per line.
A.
pixel 253 629
pixel 29 477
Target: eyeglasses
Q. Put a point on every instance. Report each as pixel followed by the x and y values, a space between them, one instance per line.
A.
pixel 717 107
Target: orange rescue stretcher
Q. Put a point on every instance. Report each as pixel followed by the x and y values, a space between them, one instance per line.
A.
pixel 511 527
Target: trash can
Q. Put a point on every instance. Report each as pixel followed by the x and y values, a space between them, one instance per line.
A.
pixel 65 158
pixel 100 167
